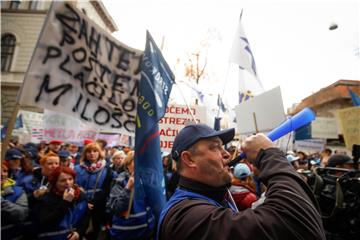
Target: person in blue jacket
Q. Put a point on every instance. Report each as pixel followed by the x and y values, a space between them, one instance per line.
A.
pixel 95 178
pixel 37 184
pixel 137 224
pixel 14 206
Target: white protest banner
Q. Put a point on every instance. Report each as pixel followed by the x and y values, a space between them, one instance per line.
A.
pixel 323 127
pixel 66 128
pixel 310 145
pixel 32 130
pixel 115 139
pixel 267 108
pixel 175 119
pixel 79 69
pixel 350 124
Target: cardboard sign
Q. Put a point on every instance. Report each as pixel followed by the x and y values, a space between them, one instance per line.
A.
pixel 266 108
pixel 323 127
pixel 310 145
pixel 350 124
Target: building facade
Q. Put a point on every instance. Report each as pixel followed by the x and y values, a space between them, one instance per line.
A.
pixel 326 103
pixel 21 23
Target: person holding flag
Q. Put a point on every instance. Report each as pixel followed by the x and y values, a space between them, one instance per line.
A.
pixel 154 91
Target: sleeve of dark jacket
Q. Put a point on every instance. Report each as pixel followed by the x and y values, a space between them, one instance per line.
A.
pixel 15 212
pixel 49 211
pixel 289 211
pixel 84 222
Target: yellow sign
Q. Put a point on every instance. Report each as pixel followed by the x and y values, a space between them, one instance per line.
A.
pixel 350 124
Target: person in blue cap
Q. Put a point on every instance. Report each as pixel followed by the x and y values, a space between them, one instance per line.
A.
pixel 14 156
pixel 241 190
pixel 200 207
pixel 65 159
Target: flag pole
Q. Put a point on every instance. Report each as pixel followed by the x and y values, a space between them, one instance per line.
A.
pixel 10 127
pixel 224 88
pixel 227 73
pixel 187 104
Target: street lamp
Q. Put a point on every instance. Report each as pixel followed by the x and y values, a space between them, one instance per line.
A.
pixel 333 26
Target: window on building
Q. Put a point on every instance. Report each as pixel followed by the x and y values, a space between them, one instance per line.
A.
pixel 15 4
pixel 34 5
pixel 8 42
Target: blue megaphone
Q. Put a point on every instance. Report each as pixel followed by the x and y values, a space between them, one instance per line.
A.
pixel 300 119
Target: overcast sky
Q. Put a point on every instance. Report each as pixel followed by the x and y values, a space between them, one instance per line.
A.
pixel 290 39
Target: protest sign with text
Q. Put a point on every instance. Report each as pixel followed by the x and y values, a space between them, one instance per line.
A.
pixel 32 129
pixel 115 139
pixel 66 128
pixel 350 125
pixel 79 69
pixel 175 119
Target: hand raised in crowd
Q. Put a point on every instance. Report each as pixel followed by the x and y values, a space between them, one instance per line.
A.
pixel 73 236
pixel 39 192
pixel 253 144
pixel 130 183
pixel 69 194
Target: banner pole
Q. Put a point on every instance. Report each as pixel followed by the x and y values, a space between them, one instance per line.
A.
pixel 130 203
pixel 10 127
pixel 187 105
pixel 255 123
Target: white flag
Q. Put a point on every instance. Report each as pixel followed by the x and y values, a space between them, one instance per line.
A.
pixel 242 55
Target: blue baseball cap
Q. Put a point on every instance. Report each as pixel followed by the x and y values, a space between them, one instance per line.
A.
pixel 291 158
pixel 13 154
pixel 242 171
pixel 64 154
pixel 192 133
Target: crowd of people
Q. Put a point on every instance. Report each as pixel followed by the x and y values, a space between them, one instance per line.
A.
pixel 67 190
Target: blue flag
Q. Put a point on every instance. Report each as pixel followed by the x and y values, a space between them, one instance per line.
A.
pixel 217 126
pixel 221 104
pixel 18 124
pixel 154 90
pixel 355 98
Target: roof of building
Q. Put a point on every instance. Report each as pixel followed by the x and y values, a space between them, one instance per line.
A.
pixel 335 91
pixel 104 14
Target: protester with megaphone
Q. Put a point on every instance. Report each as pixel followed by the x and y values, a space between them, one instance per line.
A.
pixel 200 207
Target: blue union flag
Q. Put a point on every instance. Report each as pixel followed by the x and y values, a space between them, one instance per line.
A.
pixel 354 97
pixel 154 90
